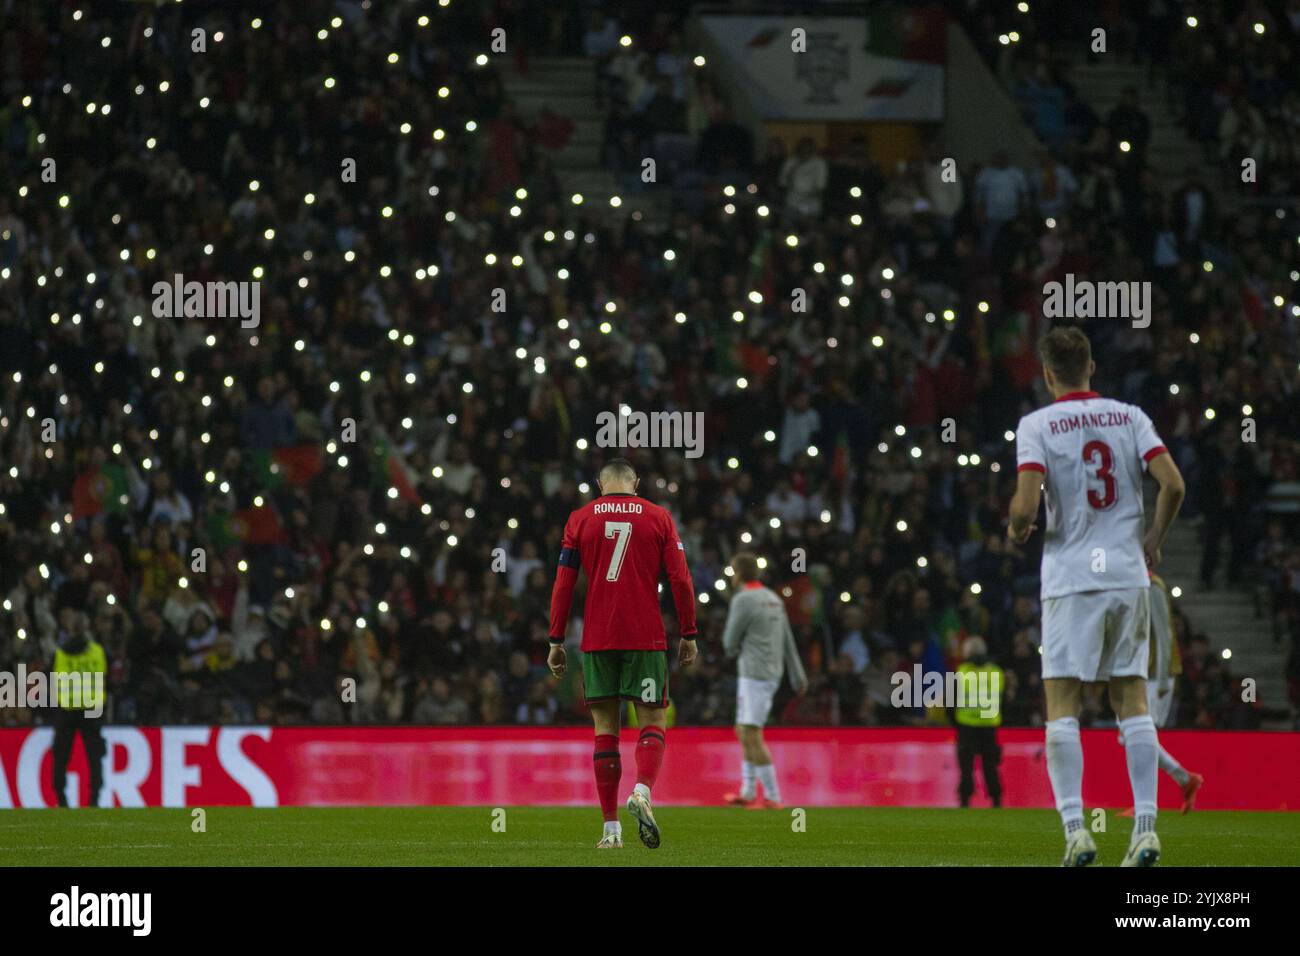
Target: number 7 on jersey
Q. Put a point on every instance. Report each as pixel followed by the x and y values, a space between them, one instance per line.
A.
pixel 621 531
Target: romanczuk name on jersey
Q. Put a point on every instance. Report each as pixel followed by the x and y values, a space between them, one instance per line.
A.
pixel 1092 452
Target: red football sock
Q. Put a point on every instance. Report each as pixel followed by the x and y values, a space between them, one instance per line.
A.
pixel 649 755
pixel 609 768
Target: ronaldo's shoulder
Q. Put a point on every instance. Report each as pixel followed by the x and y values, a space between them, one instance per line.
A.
pixel 579 514
pixel 659 514
pixel 583 509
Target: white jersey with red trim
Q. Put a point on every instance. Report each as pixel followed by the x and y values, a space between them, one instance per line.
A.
pixel 1092 452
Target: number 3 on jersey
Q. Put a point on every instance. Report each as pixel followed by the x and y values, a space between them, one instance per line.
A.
pixel 621 532
pixel 1099 456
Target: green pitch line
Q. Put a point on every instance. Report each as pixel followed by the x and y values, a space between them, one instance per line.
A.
pixel 552 836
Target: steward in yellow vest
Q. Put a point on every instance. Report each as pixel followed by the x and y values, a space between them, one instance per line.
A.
pixel 978 714
pixel 80 669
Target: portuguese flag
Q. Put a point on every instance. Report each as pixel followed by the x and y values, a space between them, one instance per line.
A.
pixel 249 526
pixel 296 464
pixel 394 471
pixel 841 465
pixel 99 491
pixel 908 33
pixel 951 635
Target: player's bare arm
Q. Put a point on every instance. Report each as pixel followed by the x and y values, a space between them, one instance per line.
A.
pixel 1170 498
pixel 1024 506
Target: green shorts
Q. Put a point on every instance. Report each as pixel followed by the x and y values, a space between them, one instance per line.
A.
pixel 640 676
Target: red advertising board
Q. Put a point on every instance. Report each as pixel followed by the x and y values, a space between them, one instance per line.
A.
pixel 512 766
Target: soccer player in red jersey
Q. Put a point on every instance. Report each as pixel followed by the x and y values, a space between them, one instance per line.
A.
pixel 623 543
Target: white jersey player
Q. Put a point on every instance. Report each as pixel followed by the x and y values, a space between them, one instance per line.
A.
pixel 758 632
pixel 1088 453
pixel 1165 666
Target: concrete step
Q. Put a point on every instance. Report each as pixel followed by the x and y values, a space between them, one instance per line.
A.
pixel 1171 152
pixel 567 103
pixel 584 71
pixel 549 82
pixel 567 85
pixel 1225 615
pixel 578 152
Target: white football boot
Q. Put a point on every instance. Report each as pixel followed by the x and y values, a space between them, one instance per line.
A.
pixel 639 806
pixel 1080 850
pixel 1143 851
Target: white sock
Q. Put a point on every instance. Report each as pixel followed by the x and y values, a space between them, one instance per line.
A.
pixel 1172 767
pixel 613 826
pixel 1065 770
pixel 642 789
pixel 1167 762
pixel 767 777
pixel 1142 749
pixel 748 780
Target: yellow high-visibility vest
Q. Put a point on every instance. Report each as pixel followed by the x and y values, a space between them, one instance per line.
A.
pixel 973 714
pixel 81 693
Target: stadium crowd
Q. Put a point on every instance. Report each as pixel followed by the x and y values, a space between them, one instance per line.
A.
pixel 1227 70
pixel 351 512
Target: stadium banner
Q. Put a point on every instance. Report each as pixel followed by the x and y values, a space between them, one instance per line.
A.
pixel 885 66
pixel 513 766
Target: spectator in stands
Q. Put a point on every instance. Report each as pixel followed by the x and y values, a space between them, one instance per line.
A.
pixel 1001 194
pixel 1128 124
pixel 804 177
pixel 1054 186
pixel 468 418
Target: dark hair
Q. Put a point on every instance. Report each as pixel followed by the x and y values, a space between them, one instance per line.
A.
pixel 745 565
pixel 618 468
pixel 1066 351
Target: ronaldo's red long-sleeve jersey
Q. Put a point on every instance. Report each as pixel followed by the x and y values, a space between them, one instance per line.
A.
pixel 622 542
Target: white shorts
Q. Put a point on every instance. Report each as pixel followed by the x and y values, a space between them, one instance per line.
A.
pixel 1159 705
pixel 754 701
pixel 1097 635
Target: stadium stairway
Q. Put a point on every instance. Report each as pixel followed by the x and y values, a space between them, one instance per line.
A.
pixel 1172 152
pixel 1226 615
pixel 566 85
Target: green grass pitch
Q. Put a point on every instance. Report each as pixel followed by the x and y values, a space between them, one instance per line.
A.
pixel 552 836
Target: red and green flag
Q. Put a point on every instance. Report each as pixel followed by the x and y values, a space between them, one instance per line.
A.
pixel 841 462
pixel 296 465
pixel 951 633
pixel 100 490
pixel 394 471
pixel 259 525
pixel 908 33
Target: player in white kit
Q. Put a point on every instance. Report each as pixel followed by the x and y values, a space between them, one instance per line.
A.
pixel 1164 666
pixel 758 633
pixel 1089 452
